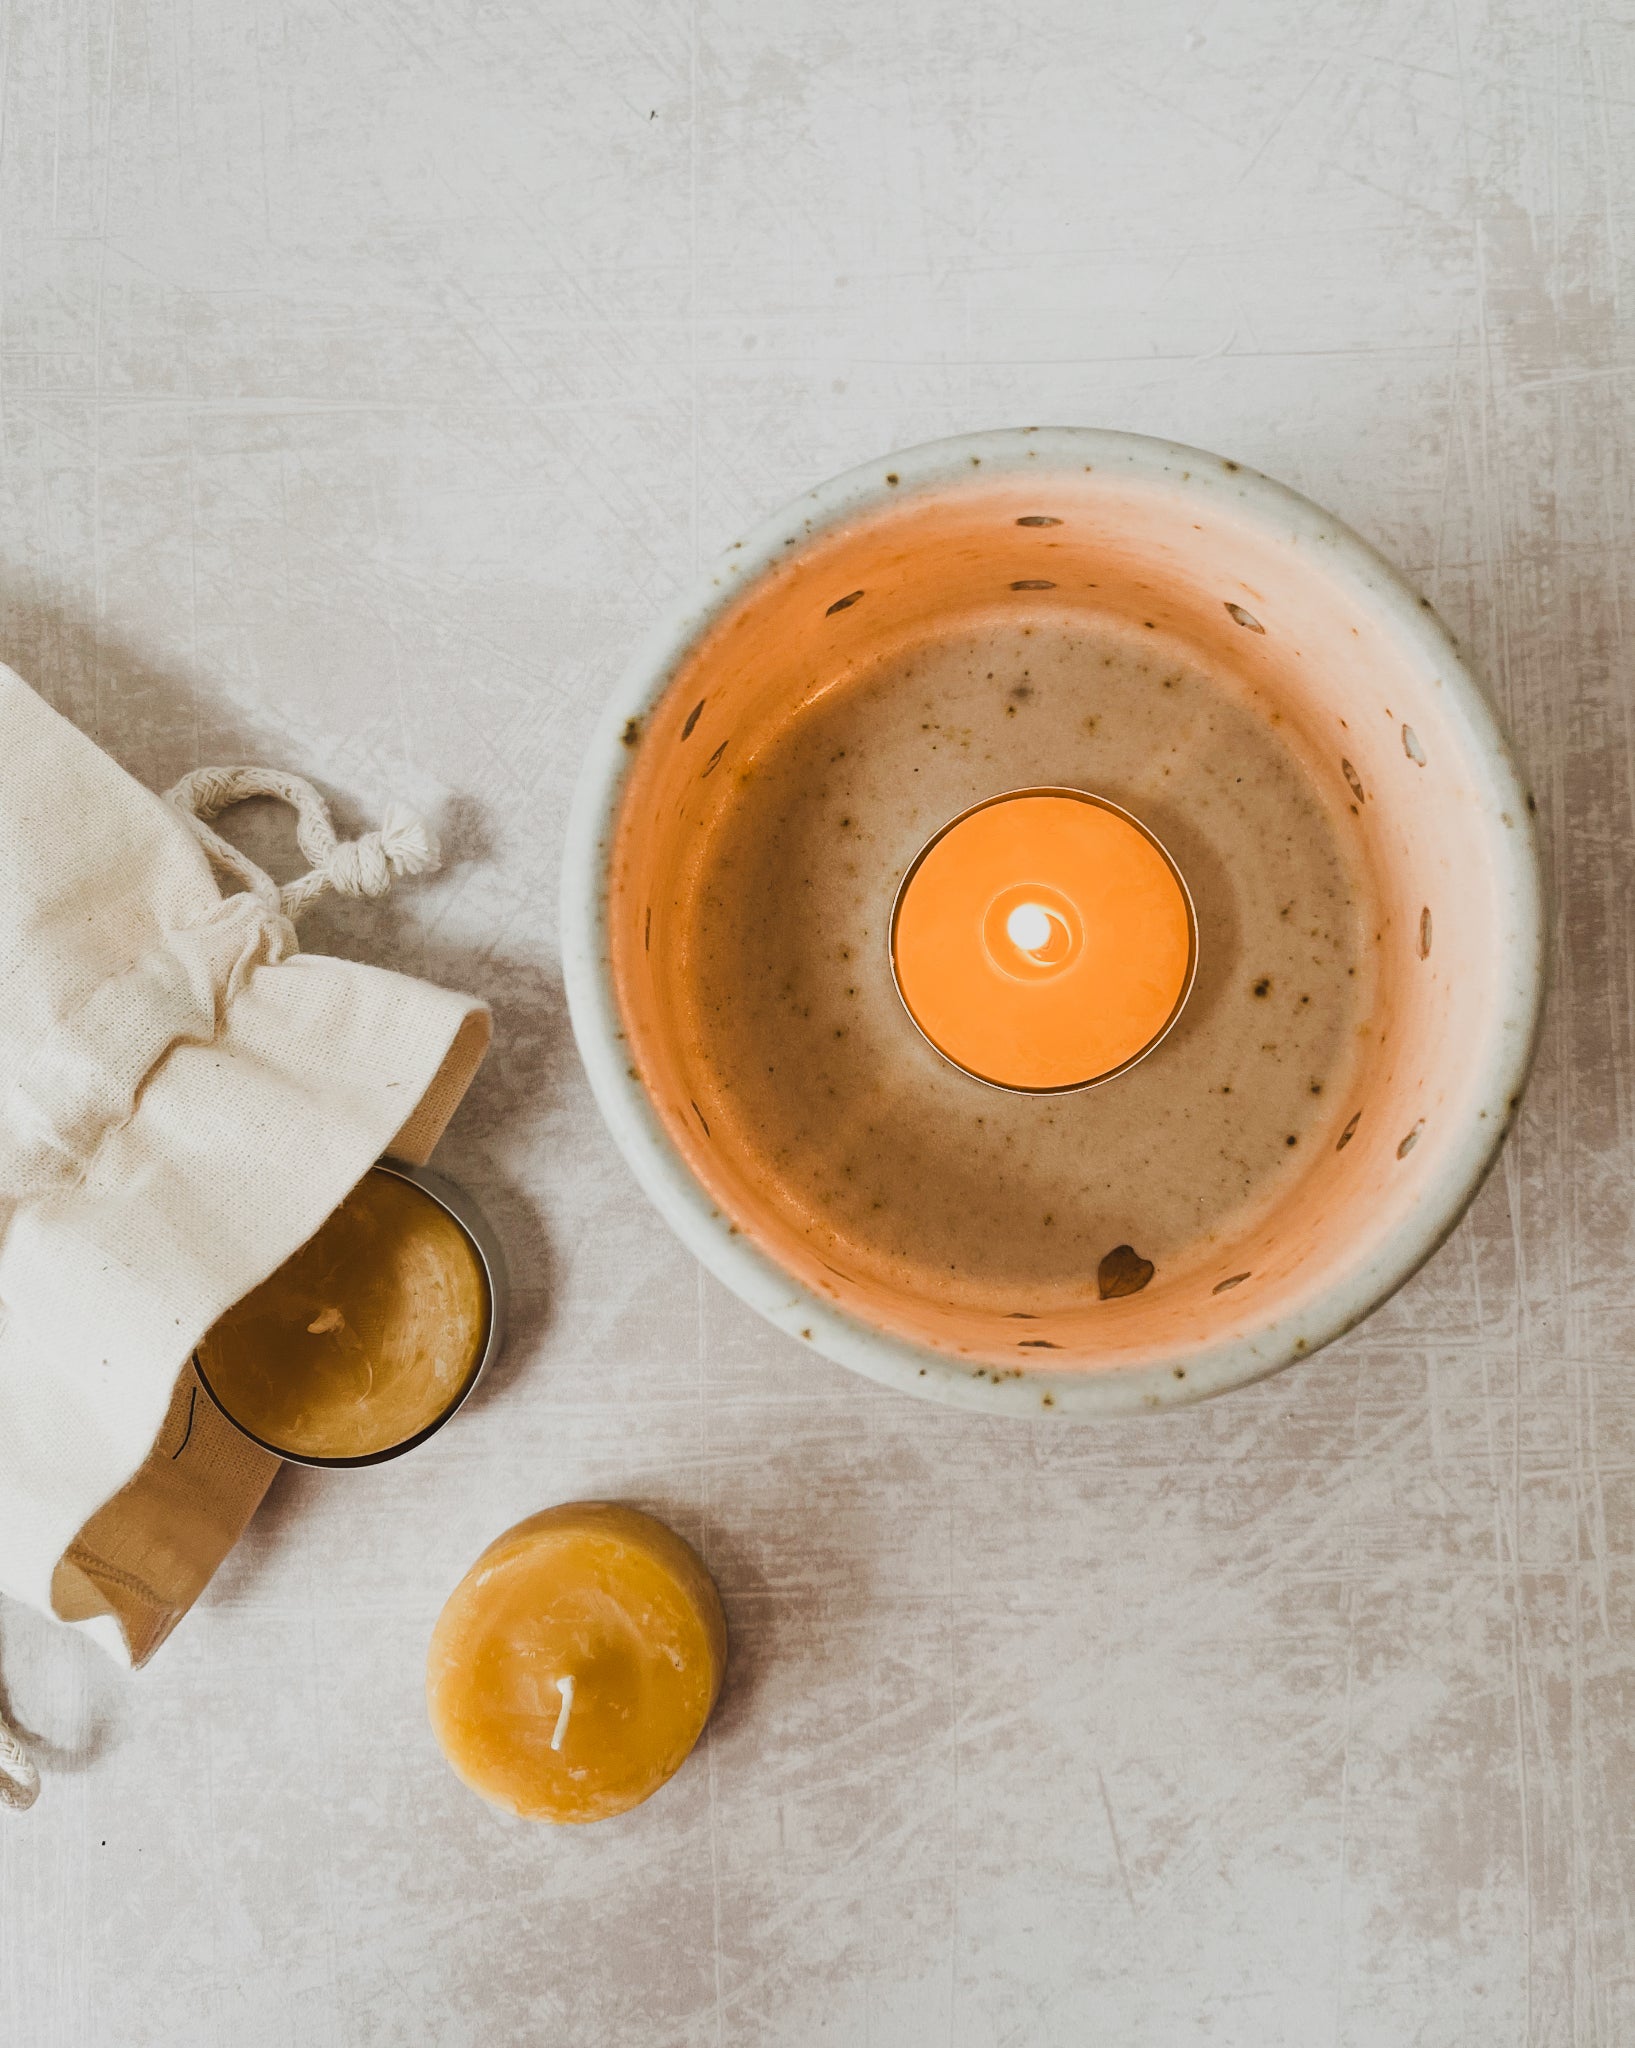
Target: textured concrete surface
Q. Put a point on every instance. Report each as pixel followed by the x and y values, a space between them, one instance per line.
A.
pixel 370 372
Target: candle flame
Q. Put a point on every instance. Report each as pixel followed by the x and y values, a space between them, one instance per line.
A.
pixel 565 1687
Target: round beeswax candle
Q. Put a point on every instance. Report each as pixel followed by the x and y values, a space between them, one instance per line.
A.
pixel 1043 940
pixel 576 1663
pixel 365 1338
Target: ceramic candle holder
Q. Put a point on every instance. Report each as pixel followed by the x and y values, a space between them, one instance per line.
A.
pixel 1317 635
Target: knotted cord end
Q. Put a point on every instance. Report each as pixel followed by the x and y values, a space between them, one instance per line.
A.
pixel 19 1777
pixel 403 844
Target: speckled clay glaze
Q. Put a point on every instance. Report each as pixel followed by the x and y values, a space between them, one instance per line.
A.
pixel 1251 584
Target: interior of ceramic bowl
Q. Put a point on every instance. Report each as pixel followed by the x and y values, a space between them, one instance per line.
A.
pixel 1356 687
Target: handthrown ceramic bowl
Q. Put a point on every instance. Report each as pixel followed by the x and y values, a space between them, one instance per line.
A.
pixel 1262 586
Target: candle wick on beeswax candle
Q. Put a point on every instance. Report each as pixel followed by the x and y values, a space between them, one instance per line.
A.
pixel 327 1320
pixel 565 1687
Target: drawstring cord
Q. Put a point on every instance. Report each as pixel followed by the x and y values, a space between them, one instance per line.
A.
pixel 403 844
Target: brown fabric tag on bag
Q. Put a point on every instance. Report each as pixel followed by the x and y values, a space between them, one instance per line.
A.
pixel 146 1555
pixel 415 1140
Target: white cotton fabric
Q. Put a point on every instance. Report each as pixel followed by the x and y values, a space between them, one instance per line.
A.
pixel 184 1098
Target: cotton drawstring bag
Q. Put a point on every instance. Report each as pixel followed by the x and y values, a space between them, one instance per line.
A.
pixel 185 1097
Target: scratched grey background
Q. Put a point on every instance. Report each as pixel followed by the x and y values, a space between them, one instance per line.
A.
pixel 371 372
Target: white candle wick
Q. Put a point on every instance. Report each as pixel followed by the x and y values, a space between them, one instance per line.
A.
pixel 565 1687
pixel 1028 927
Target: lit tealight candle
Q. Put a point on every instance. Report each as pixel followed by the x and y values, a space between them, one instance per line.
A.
pixel 1044 940
pixel 575 1664
pixel 364 1340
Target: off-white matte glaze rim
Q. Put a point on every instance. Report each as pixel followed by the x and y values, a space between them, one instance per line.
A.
pixel 1194 477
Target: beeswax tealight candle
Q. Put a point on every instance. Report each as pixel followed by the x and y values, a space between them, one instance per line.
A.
pixel 1044 940
pixel 574 1666
pixel 364 1340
